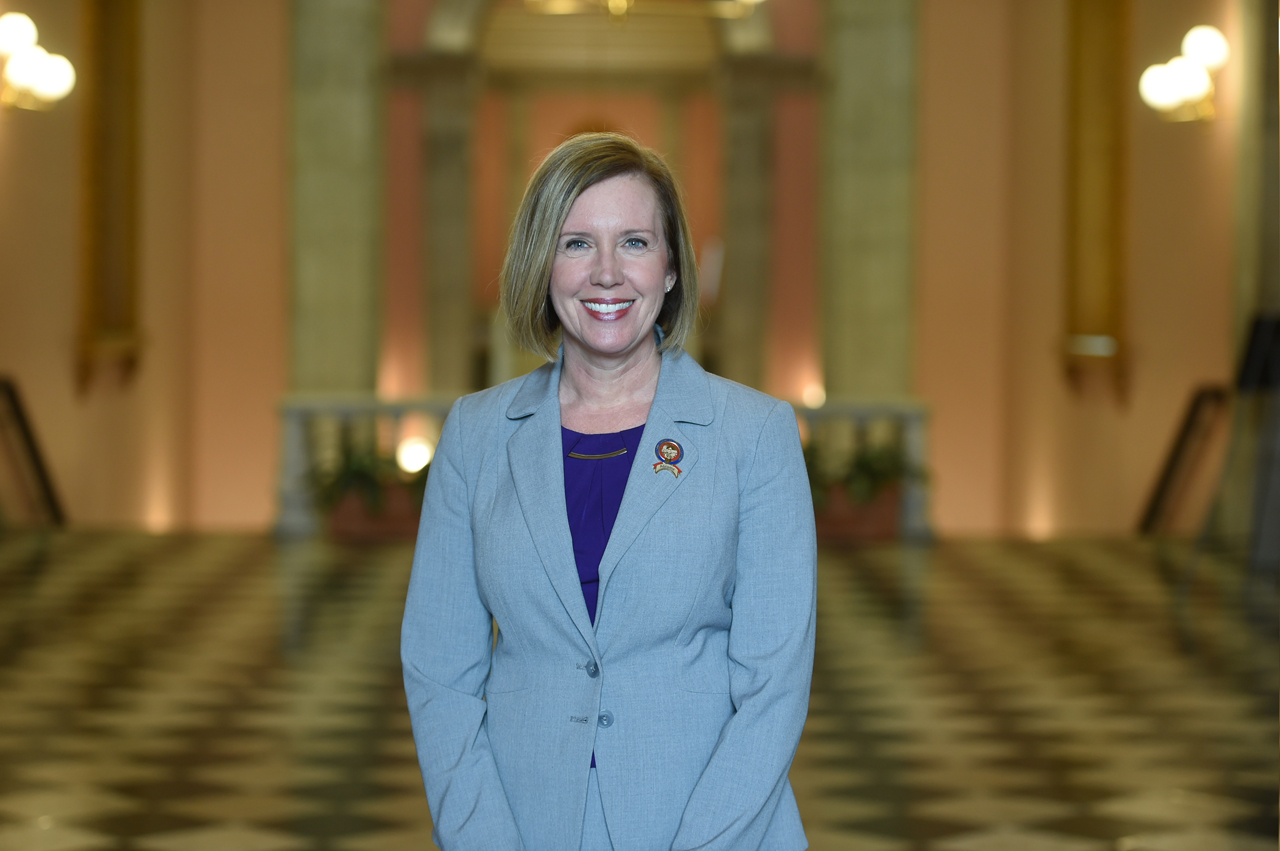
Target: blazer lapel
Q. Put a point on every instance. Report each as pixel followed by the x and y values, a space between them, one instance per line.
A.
pixel 537 467
pixel 683 397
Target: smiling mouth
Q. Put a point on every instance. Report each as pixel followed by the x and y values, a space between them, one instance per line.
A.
pixel 603 309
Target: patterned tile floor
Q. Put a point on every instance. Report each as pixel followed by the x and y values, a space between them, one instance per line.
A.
pixel 213 693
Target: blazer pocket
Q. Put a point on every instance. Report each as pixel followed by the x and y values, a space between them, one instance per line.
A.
pixel 502 683
pixel 709 677
pixel 507 671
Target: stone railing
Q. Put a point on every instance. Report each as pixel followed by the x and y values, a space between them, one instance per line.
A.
pixel 299 415
pixel 852 423
pixel 841 422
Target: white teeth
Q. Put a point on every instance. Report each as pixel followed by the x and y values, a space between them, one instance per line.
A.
pixel 607 308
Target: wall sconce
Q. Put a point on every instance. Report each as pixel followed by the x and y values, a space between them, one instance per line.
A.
pixel 1182 88
pixel 32 78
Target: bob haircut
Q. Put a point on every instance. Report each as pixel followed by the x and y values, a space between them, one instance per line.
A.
pixel 575 165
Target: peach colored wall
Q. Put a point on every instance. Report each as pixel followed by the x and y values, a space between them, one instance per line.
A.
pixel 701 167
pixel 402 364
pixel 1082 462
pixel 117 451
pixel 796 26
pixel 165 265
pixel 557 115
pixel 239 268
pixel 1181 254
pixel 490 214
pixel 40 207
pixel 962 243
pixel 190 439
pixel 1014 447
pixel 793 353
pixel 1037 223
pixel 793 348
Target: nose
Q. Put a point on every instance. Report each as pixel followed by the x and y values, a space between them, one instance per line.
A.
pixel 607 271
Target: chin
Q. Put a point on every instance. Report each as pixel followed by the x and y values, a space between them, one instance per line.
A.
pixel 613 345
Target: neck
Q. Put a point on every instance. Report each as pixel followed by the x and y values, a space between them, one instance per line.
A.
pixel 601 397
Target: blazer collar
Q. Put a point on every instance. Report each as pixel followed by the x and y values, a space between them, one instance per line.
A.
pixel 684 392
pixel 539 388
pixel 681 406
pixel 682 399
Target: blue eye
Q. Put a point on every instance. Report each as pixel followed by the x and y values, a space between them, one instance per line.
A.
pixel 636 242
pixel 575 244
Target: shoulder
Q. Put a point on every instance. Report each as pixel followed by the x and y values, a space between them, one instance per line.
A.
pixel 494 403
pixel 479 419
pixel 695 395
pixel 739 415
pixel 755 424
pixel 745 403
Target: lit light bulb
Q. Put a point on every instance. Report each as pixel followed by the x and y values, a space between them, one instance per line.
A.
pixel 413 454
pixel 1207 46
pixel 25 67
pixel 17 31
pixel 1191 78
pixel 56 78
pixel 1159 88
pixel 813 396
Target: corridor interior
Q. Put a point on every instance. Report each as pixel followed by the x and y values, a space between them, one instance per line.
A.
pixel 202 693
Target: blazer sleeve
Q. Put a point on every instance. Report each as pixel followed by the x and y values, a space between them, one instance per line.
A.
pixel 771 641
pixel 445 648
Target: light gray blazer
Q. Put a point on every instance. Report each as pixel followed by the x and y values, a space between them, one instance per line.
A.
pixel 692 686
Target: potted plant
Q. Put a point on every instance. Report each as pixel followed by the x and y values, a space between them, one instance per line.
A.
pixel 861 500
pixel 367 498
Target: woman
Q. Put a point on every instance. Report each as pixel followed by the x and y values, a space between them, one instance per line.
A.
pixel 608 637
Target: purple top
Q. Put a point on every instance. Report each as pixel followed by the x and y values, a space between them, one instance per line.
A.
pixel 593 488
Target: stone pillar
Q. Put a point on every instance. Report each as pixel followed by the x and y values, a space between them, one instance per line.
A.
pixel 1257 179
pixel 868 150
pixel 1264 548
pixel 451 90
pixel 744 291
pixel 337 158
pixel 336 250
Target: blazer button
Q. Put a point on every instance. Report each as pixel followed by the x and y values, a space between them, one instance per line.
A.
pixel 593 670
pixel 605 719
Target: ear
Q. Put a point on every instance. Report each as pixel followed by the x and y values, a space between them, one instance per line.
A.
pixel 670 281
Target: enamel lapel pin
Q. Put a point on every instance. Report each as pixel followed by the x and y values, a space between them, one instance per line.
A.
pixel 669 452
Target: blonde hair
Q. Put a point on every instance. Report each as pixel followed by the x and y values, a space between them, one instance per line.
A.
pixel 575 165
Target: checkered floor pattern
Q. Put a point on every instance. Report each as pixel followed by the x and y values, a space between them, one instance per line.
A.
pixel 226 693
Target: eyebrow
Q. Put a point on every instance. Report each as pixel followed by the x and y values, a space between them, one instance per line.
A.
pixel 630 232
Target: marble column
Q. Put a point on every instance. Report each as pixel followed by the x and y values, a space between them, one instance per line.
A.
pixel 1264 114
pixel 1258 173
pixel 336 235
pixel 451 91
pixel 868 151
pixel 742 307
pixel 337 109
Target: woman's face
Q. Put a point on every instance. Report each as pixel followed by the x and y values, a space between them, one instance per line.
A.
pixel 611 271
